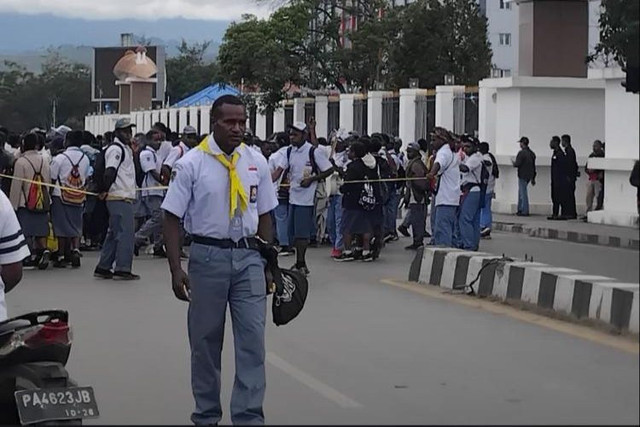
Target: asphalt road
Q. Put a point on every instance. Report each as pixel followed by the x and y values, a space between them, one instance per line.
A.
pixel 362 352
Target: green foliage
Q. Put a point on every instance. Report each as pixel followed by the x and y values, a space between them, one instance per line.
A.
pixel 619 23
pixel 188 73
pixel 302 44
pixel 26 99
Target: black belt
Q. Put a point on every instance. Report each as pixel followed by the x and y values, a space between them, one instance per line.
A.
pixel 244 243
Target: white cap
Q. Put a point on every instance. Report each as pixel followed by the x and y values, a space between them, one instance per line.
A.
pixel 299 126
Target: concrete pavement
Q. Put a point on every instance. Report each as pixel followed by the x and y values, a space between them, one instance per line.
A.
pixel 361 352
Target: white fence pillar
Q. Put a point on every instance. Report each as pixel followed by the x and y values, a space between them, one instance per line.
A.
pixel 205 119
pixel 487 112
pixel 374 110
pixel 182 117
pixel 278 119
pixel 173 118
pixel 155 117
pixel 346 111
pixel 407 129
pixel 322 116
pixel 444 105
pixel 147 121
pixel 298 110
pixel 194 112
pixel 261 125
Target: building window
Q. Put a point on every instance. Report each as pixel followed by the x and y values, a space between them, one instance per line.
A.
pixel 504 4
pixel 505 39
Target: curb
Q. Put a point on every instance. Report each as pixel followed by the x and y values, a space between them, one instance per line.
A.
pixel 569 236
pixel 562 290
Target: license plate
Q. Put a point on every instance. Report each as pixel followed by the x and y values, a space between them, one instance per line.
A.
pixel 52 404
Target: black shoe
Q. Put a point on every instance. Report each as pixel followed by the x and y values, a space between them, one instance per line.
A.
pixel 302 269
pixel 414 246
pixel 75 259
pixel 43 262
pixel 136 250
pixel 286 251
pixel 60 263
pixel 29 263
pixel 553 218
pixel 125 275
pixel 345 257
pixel 159 252
pixel 486 232
pixel 100 273
pixel 404 231
pixel 367 257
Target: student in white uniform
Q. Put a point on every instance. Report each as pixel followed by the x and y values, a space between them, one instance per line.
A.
pixel 189 140
pixel 13 250
pixel 151 199
pixel 120 182
pixel 472 197
pixel 69 169
pixel 305 166
pixel 224 192
pixel 446 169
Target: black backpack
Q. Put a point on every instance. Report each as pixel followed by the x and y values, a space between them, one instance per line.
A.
pixel 140 175
pixel 99 168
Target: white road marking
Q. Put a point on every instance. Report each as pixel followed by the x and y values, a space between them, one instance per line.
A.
pixel 311 382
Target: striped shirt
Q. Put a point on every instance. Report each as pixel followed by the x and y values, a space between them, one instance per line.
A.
pixel 13 246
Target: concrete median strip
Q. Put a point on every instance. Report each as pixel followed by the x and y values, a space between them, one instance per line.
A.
pixel 562 290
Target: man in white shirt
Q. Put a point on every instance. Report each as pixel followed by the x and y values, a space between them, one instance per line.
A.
pixel 305 166
pixel 339 160
pixel 445 168
pixel 13 249
pixel 486 218
pixel 69 169
pixel 472 197
pixel 189 140
pixel 120 193
pixel 151 199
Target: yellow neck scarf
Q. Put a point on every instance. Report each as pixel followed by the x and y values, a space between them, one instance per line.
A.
pixel 236 190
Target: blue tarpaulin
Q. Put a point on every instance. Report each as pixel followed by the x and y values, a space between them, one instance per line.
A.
pixel 208 95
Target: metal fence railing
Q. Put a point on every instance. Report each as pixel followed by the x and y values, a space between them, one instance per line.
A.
pixel 309 110
pixel 465 113
pixel 288 115
pixel 253 116
pixel 269 117
pixel 391 116
pixel 360 111
pixel 425 116
pixel 333 119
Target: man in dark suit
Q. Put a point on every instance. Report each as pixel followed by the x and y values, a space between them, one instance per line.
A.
pixel 573 174
pixel 560 181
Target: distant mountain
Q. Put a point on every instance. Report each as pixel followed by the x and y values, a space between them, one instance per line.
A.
pixel 27 38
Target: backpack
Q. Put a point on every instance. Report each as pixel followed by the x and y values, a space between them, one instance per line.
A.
pixel 37 198
pixel 99 169
pixel 484 182
pixel 402 173
pixel 283 190
pixel 73 194
pixel 140 175
pixel 495 170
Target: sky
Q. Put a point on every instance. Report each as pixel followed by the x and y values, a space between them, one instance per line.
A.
pixel 222 10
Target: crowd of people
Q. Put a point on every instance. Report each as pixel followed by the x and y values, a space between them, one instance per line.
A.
pixel 346 191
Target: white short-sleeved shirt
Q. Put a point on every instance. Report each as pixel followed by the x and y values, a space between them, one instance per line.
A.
pixel 175 154
pixel 275 160
pixel 491 185
pixel 13 246
pixel 299 165
pixel 474 176
pixel 449 175
pixel 63 163
pixel 164 150
pixel 149 162
pixel 199 191
pixel 125 184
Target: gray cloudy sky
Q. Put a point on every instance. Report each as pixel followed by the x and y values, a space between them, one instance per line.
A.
pixel 136 9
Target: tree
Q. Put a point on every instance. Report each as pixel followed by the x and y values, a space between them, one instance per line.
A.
pixel 26 99
pixel 619 23
pixel 188 73
pixel 438 37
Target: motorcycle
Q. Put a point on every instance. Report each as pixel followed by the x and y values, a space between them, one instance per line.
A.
pixel 35 388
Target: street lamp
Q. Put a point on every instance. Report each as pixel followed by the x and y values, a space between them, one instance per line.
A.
pixel 449 80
